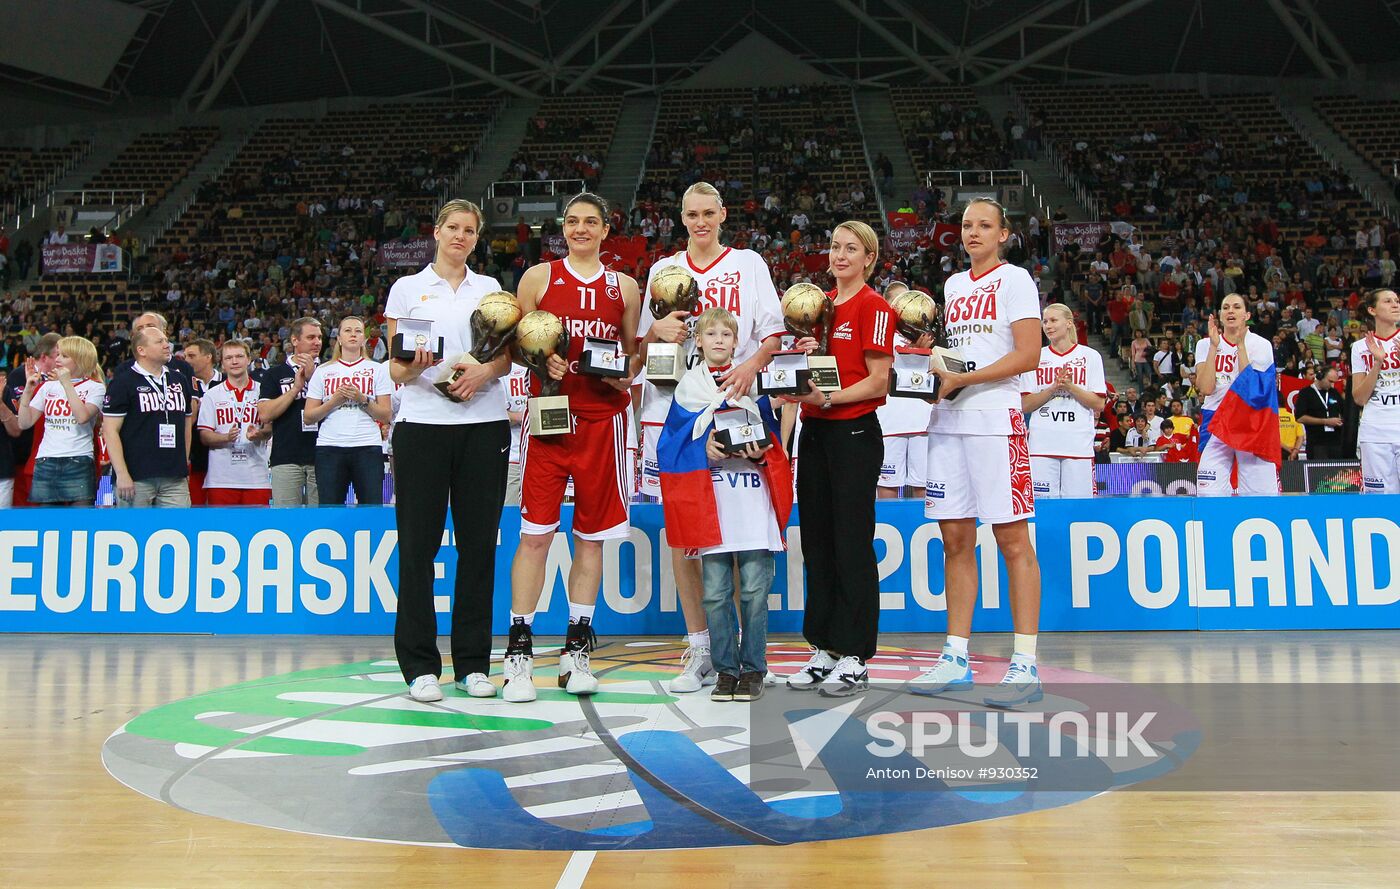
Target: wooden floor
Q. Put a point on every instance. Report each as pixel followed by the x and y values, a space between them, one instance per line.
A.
pixel 64 822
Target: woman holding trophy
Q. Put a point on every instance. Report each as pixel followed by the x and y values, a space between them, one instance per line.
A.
pixel 978 457
pixel 452 438
pixel 591 312
pixel 842 451
pixel 718 276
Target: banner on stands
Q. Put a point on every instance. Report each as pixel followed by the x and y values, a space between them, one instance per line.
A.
pixel 940 237
pixel 1086 234
pixel 1108 564
pixel 81 258
pixel 413 253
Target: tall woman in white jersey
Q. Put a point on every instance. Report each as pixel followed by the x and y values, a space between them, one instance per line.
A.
pixel 1063 396
pixel 739 282
pixel 1375 384
pixel 978 459
pixel 1220 357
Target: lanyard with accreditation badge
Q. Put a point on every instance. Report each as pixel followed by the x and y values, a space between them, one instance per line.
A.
pixel 166 429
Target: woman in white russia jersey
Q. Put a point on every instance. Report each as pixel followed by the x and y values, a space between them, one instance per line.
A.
pixel 1220 357
pixel 1063 395
pixel 978 458
pixel 1375 384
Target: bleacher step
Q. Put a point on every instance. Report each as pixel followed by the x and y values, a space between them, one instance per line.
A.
pixel 498 148
pixel 883 136
pixel 628 152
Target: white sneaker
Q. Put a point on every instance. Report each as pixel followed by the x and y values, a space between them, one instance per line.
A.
pixel 519 671
pixel 477 685
pixel 425 689
pixel 696 671
pixel 575 674
pixel 1020 685
pixel 848 677
pixel 769 678
pixel 817 668
pixel 951 672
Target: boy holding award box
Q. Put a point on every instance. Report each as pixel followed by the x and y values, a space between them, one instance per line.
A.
pixel 728 497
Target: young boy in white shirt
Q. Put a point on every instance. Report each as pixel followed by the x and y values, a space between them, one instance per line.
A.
pixel 733 519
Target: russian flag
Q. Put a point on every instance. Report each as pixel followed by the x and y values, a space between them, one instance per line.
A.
pixel 1247 419
pixel 687 491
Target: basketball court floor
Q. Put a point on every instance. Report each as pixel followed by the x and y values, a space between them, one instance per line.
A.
pixel 193 761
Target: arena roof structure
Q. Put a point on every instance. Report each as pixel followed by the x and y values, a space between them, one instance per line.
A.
pixel 206 54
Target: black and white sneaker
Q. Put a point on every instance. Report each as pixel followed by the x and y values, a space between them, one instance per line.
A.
pixel 817 668
pixel 848 677
pixel 575 672
pixel 519 665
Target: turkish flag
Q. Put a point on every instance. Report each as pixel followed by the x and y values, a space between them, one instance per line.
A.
pixel 623 253
pixel 945 237
pixel 902 220
pixel 1288 389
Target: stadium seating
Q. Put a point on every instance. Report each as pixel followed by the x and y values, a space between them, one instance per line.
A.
pixel 24 171
pixel 1259 151
pixel 694 129
pixel 155 162
pixel 925 113
pixel 1370 127
pixel 567 138
pixel 781 120
pixel 301 160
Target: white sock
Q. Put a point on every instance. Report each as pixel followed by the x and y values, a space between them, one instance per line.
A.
pixel 526 619
pixel 580 614
pixel 1023 648
pixel 700 639
pixel 956 645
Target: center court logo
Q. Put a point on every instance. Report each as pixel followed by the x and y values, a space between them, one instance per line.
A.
pixel 341 751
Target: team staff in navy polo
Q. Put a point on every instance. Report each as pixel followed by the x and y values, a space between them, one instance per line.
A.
pixel 146 424
pixel 448 453
pixel 281 398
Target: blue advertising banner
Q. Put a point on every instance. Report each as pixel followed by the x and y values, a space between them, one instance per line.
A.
pixel 1108 564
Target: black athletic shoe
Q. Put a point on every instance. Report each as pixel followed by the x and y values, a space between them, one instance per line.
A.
pixel 724 688
pixel 750 687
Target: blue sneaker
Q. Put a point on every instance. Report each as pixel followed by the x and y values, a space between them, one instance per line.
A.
pixel 950 673
pixel 1020 685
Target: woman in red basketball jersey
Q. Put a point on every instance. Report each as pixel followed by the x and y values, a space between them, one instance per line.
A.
pixel 842 451
pixel 592 301
pixel 978 458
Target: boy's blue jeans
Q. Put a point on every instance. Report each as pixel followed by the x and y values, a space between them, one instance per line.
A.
pixel 755 580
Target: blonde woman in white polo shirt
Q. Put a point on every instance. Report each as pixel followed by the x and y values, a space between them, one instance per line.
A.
pixel 449 453
pixel 349 397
